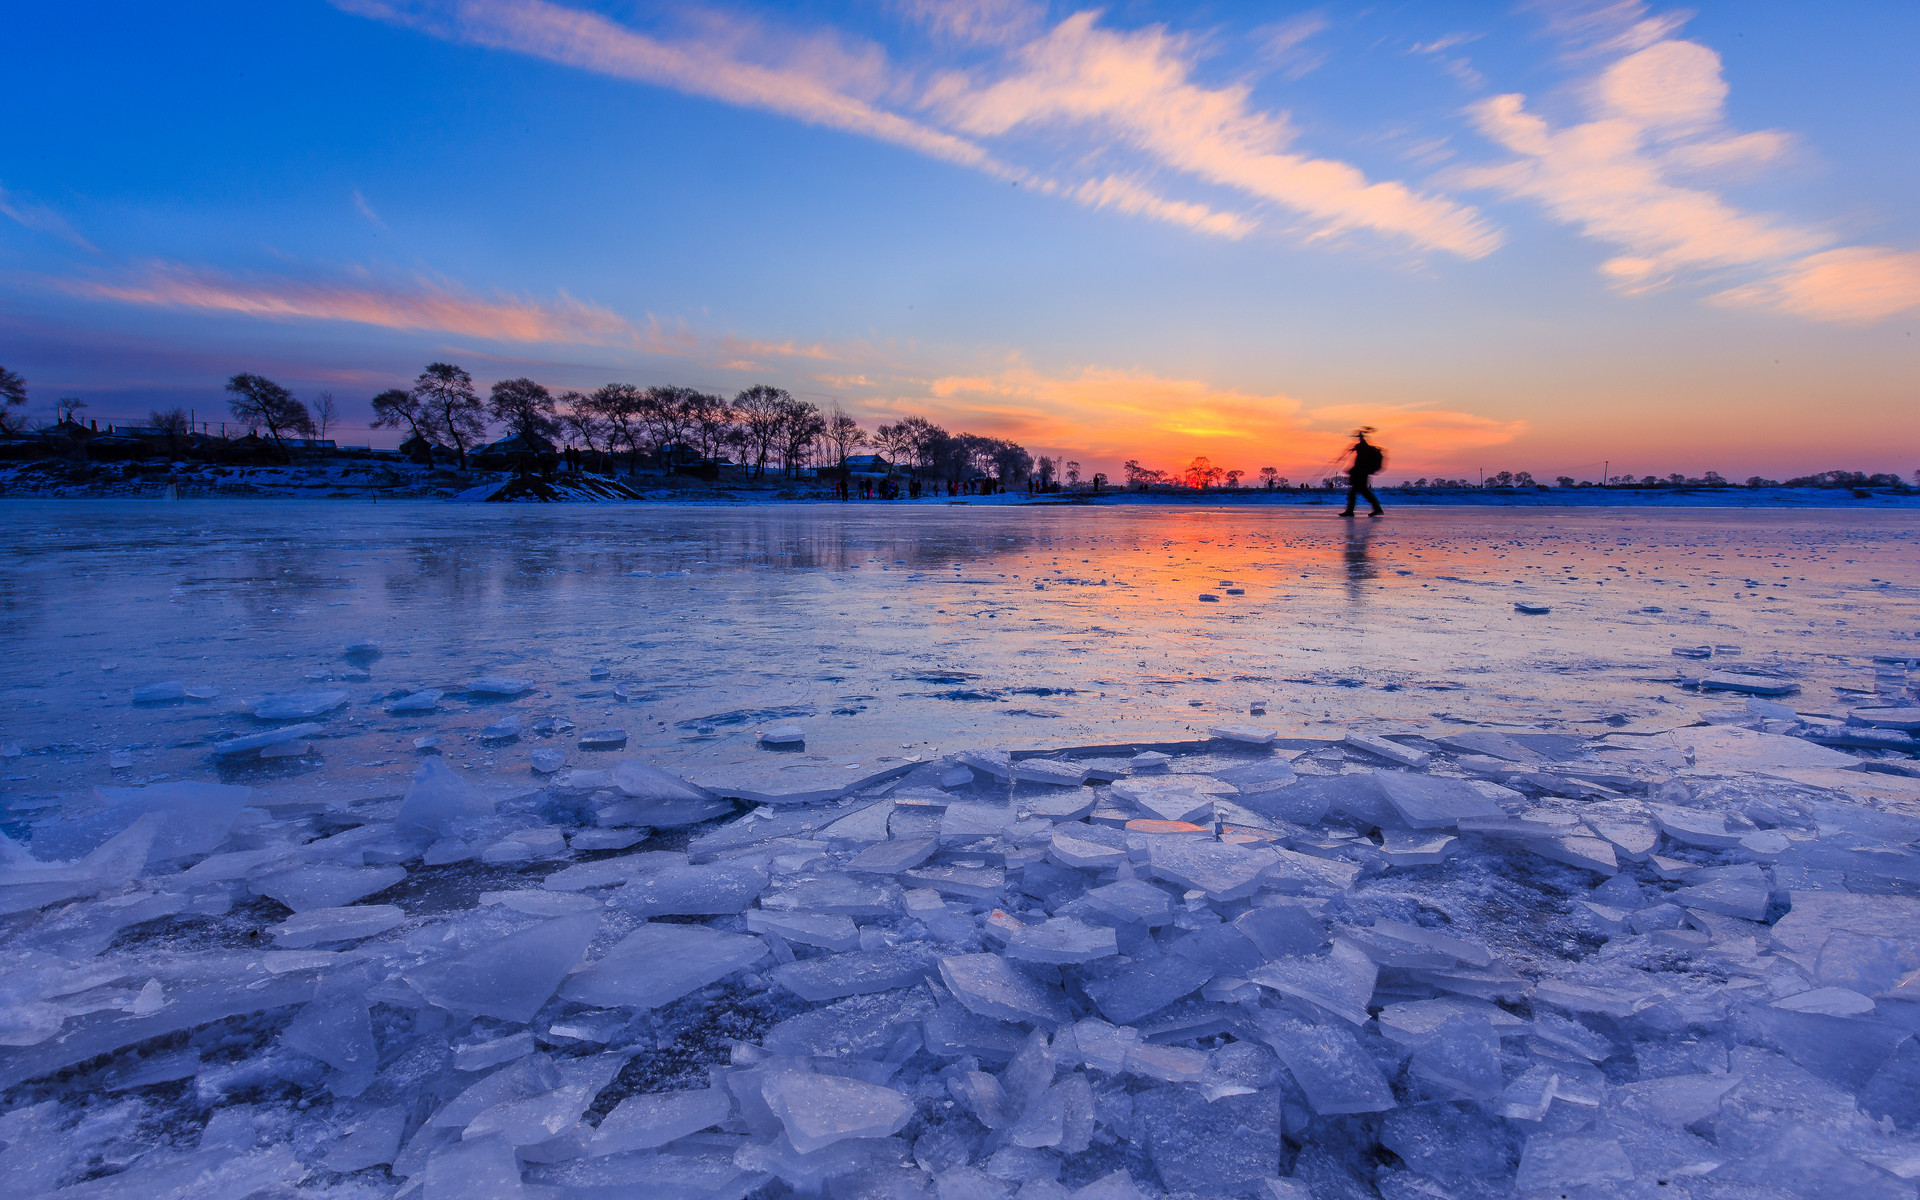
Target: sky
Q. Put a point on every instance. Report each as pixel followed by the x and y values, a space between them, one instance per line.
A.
pixel 1542 237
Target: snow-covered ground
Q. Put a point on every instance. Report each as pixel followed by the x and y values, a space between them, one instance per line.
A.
pixel 962 852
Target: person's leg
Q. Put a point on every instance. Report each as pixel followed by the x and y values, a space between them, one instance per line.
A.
pixel 1354 484
pixel 1366 489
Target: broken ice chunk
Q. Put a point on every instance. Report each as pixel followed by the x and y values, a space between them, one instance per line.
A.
pixel 417 702
pixel 252 743
pixel 818 1110
pixel 1740 891
pixel 478 1056
pixel 680 889
pixel 1827 1001
pixel 658 963
pixel 1175 798
pixel 1282 928
pixel 506 727
pixel 1751 684
pixel 439 800
pixel 1070 851
pixel 1221 870
pixel 509 978
pixel 1049 771
pixel 1431 802
pixel 969 882
pixel 829 931
pixel 372 1140
pixel 334 1028
pixel 647 1122
pixel 603 739
pixel 783 735
pixel 1580 998
pixel 970 822
pixel 1570 1160
pixel 1694 827
pixel 160 693
pixel 298 706
pixel 1145 986
pixel 1149 760
pixel 1133 900
pixel 997 763
pixel 1390 750
pixel 1413 1021
pixel 1244 735
pixel 1061 940
pixel 319 926
pixel 1535 610
pixel 304 888
pixel 989 986
pixel 856 973
pixel 499 686
pixel 1329 1065
pixel 1415 848
pixel 546 761
pixel 893 857
pixel 1341 982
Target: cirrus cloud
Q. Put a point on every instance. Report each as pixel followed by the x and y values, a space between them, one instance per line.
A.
pixel 421 304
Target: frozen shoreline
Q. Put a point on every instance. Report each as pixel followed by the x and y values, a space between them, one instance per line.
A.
pixel 396 481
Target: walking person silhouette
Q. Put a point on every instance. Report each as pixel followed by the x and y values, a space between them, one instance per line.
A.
pixel 1368 460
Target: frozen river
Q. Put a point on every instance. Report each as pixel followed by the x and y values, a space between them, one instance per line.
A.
pixel 888 631
pixel 957 852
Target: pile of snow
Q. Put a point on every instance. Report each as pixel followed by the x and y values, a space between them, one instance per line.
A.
pixel 1483 965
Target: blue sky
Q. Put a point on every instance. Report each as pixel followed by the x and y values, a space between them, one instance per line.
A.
pixel 1533 237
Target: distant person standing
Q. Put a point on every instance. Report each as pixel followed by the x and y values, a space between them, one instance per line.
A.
pixel 1368 460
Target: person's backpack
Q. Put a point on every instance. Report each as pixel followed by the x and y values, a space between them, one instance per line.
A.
pixel 1367 459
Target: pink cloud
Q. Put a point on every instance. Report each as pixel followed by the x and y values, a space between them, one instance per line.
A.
pixel 1137 87
pixel 1856 284
pixel 423 305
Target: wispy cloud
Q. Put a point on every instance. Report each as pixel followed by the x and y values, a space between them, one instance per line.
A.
pixel 1626 176
pixel 361 206
pixel 1858 284
pixel 31 214
pixel 1108 92
pixel 1137 88
pixel 419 304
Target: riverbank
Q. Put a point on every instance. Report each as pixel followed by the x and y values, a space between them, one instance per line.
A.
pixel 367 481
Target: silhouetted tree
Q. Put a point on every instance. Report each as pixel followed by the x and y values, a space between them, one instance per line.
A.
pixel 173 422
pixel 709 419
pixel 800 426
pixel 619 406
pixel 258 401
pixel 845 434
pixel 13 394
pixel 1233 477
pixel 1073 473
pixel 1011 462
pixel 524 407
pixel 762 410
pixel 453 409
pixel 666 413
pixel 397 408
pixel 67 408
pixel 580 421
pixel 895 442
pixel 326 413
pixel 1202 474
pixel 1268 475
